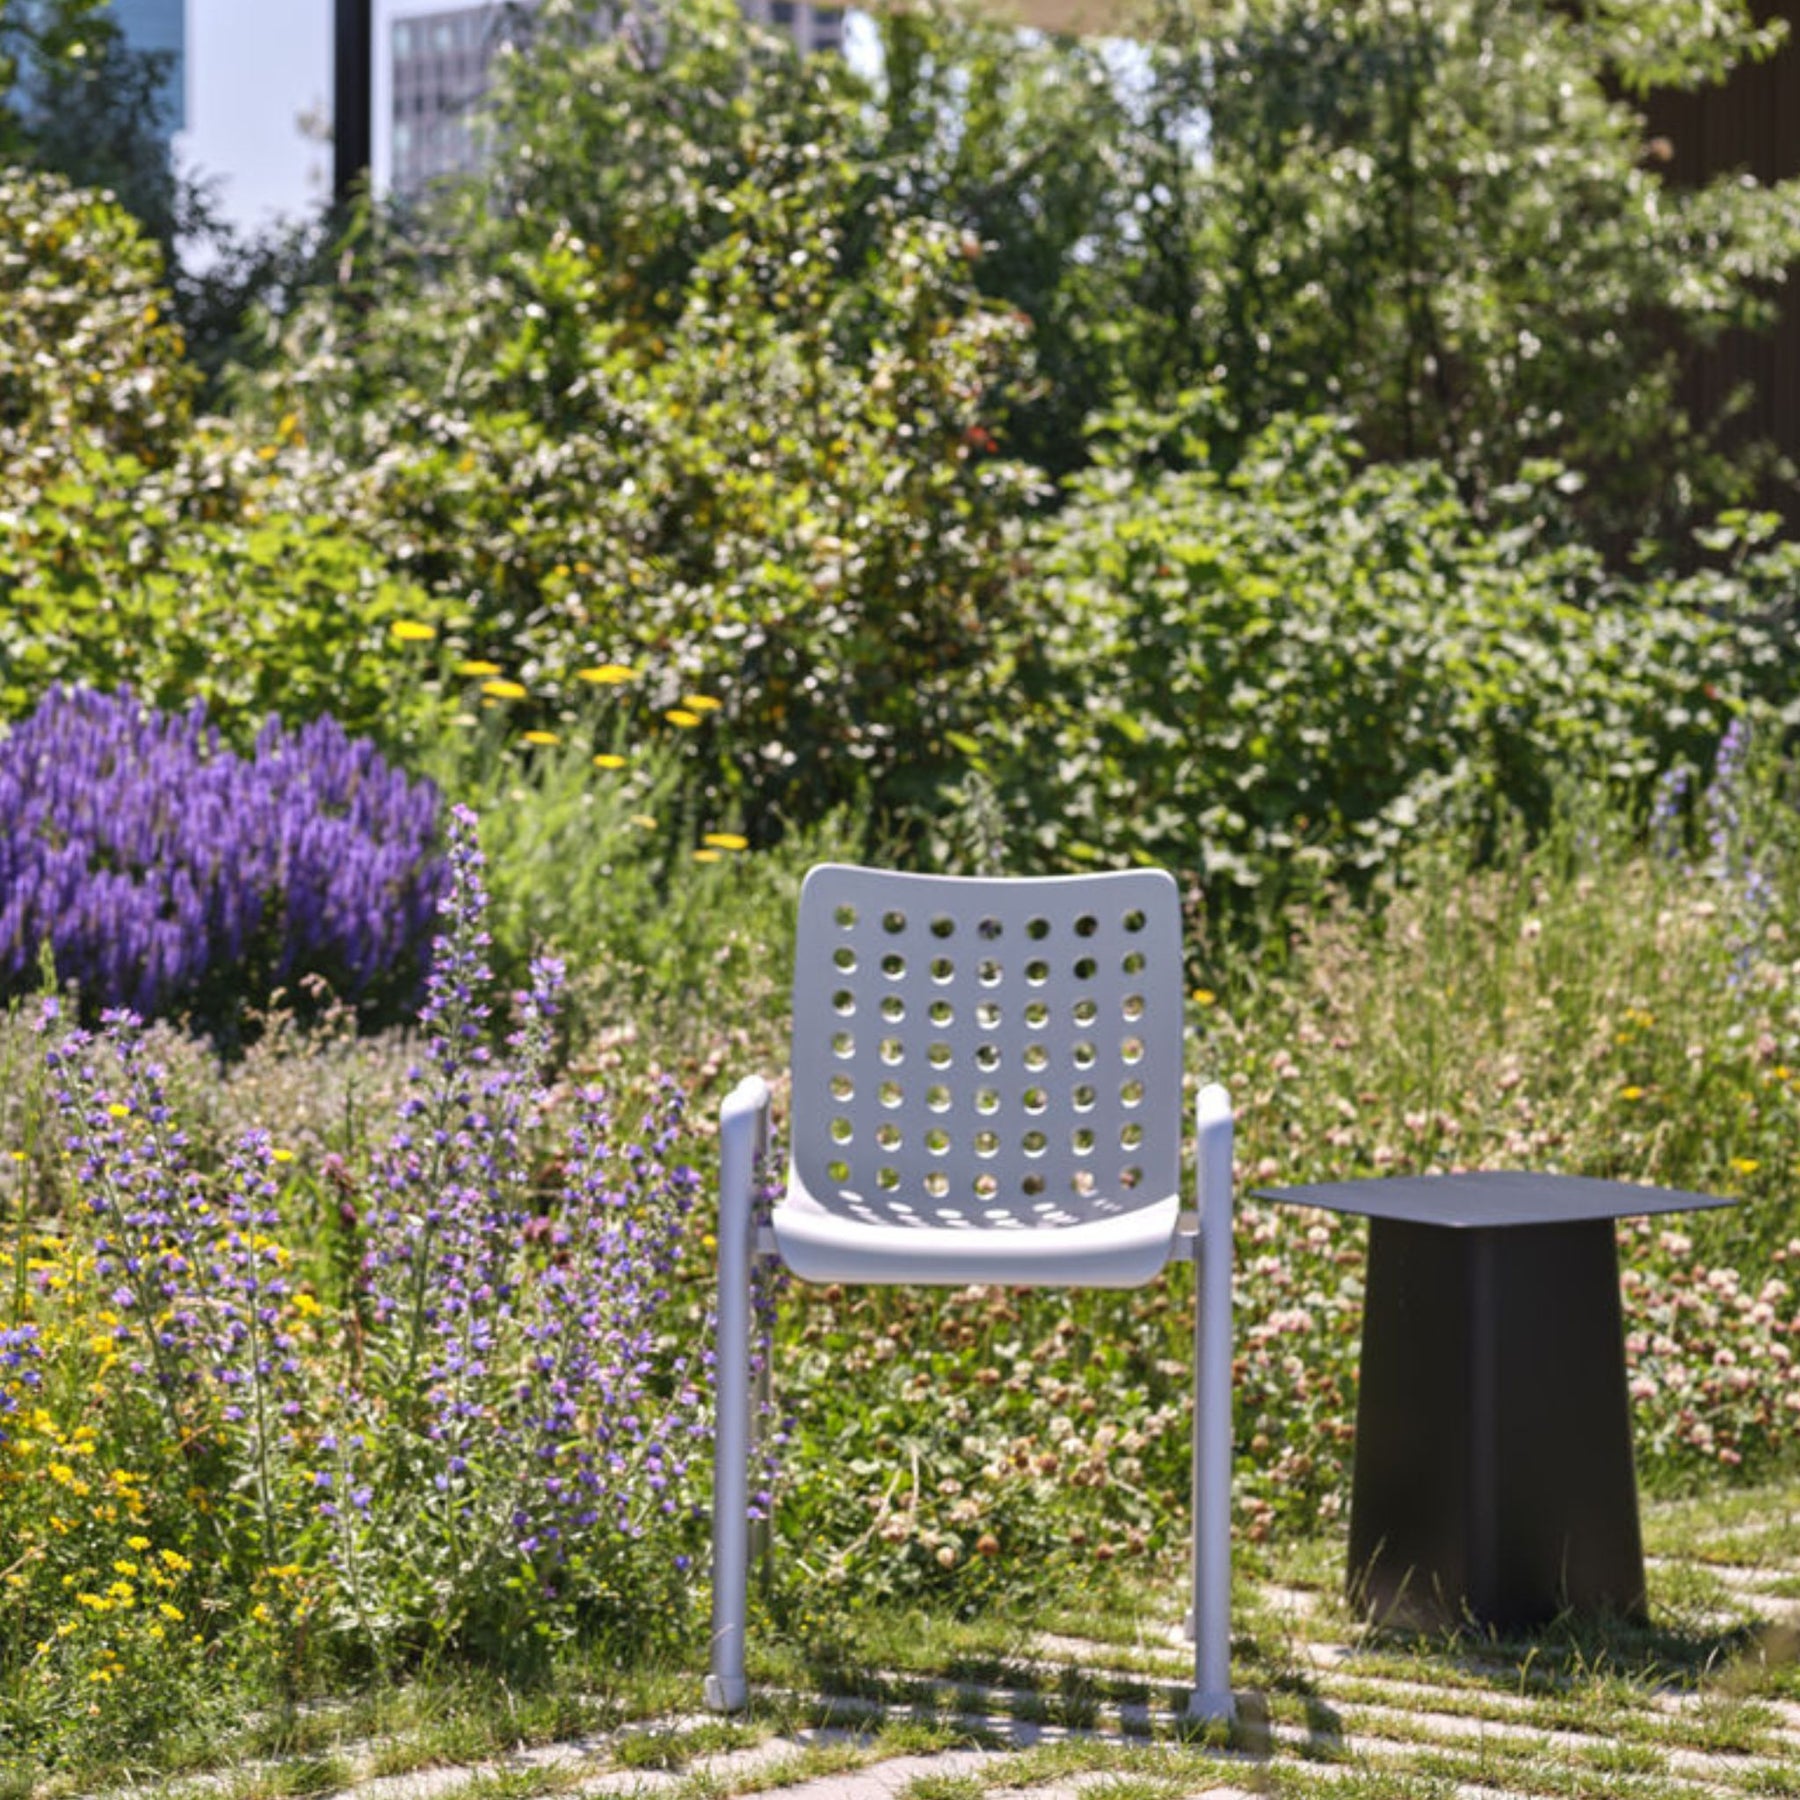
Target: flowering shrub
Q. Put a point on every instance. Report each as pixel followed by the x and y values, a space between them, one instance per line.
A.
pixel 460 1411
pixel 164 871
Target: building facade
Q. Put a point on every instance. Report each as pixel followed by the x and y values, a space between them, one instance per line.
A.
pixel 438 73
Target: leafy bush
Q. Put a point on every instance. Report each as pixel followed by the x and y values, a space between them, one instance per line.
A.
pixel 1286 673
pixel 164 872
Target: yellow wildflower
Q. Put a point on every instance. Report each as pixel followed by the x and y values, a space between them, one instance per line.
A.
pixel 413 631
pixel 477 668
pixel 706 856
pixel 1631 1093
pixel 677 715
pixel 173 1613
pixel 726 840
pixel 607 674
pixel 119 1110
pixel 1745 1165
pixel 701 703
pixel 607 760
pixel 1205 997
pixel 503 690
pixel 643 821
pixel 542 737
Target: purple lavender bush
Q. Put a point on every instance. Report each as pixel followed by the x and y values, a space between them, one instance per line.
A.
pixel 166 873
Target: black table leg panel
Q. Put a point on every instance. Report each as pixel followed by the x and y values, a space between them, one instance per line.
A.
pixel 1493 1472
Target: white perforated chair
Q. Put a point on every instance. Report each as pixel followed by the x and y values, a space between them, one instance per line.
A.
pixel 986 1088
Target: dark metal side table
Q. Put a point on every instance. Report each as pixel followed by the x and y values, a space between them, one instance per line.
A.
pixel 1493 1475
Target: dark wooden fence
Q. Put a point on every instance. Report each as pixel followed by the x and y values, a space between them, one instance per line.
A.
pixel 1751 124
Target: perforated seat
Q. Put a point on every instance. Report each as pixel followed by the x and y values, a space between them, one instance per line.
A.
pixel 987 1087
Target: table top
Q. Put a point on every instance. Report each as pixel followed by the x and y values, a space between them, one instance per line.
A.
pixel 1486 1199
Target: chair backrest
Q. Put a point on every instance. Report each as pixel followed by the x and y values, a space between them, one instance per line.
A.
pixel 993 1053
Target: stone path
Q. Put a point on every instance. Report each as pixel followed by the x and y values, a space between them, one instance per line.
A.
pixel 1706 1704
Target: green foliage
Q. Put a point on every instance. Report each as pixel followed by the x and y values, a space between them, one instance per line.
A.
pixel 1287 673
pixel 143 548
pixel 1443 219
pixel 724 436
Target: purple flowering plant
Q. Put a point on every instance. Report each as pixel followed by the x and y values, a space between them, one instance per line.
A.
pixel 482 1431
pixel 165 872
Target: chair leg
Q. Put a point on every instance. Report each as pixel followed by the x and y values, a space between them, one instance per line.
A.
pixel 727 1689
pixel 1212 1697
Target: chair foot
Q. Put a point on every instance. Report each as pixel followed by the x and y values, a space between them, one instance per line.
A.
pixel 1202 1705
pixel 727 1694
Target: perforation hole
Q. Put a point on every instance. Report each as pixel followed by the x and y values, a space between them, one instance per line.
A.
pixel 1037 929
pixel 887 1179
pixel 1037 1015
pixel 1034 1143
pixel 1133 1007
pixel 987 1100
pixel 1131 1050
pixel 941 1012
pixel 888 1136
pixel 942 969
pixel 938 1098
pixel 844 957
pixel 1131 1137
pixel 893 965
pixel 838 1172
pixel 841 1132
pixel 987 1058
pixel 842 1088
pixel 1086 969
pixel 1131 1094
pixel 1084 1099
pixel 893 1009
pixel 1133 963
pixel 1086 925
pixel 987 1015
pixel 1032 1184
pixel 1083 1055
pixel 893 923
pixel 1081 1141
pixel 843 1002
pixel 843 1045
pixel 1037 973
pixel 1131 1177
pixel 891 1094
pixel 1035 1099
pixel 989 974
pixel 1082 1182
pixel 893 1052
pixel 988 929
pixel 1133 920
pixel 937 1142
pixel 938 1055
pixel 844 917
pixel 937 1184
pixel 985 1186
pixel 987 1143
pixel 943 926
pixel 1085 1012
pixel 1037 1057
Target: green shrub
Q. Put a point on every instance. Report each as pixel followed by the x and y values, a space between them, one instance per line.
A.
pixel 1287 673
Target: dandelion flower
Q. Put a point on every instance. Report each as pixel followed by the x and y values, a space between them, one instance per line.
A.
pixel 1631 1093
pixel 413 631
pixel 1745 1165
pixel 706 856
pixel 542 737
pixel 282 1156
pixel 701 703
pixel 119 1110
pixel 477 668
pixel 726 840
pixel 679 715
pixel 608 760
pixel 1205 997
pixel 643 821
pixel 607 674
pixel 503 690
